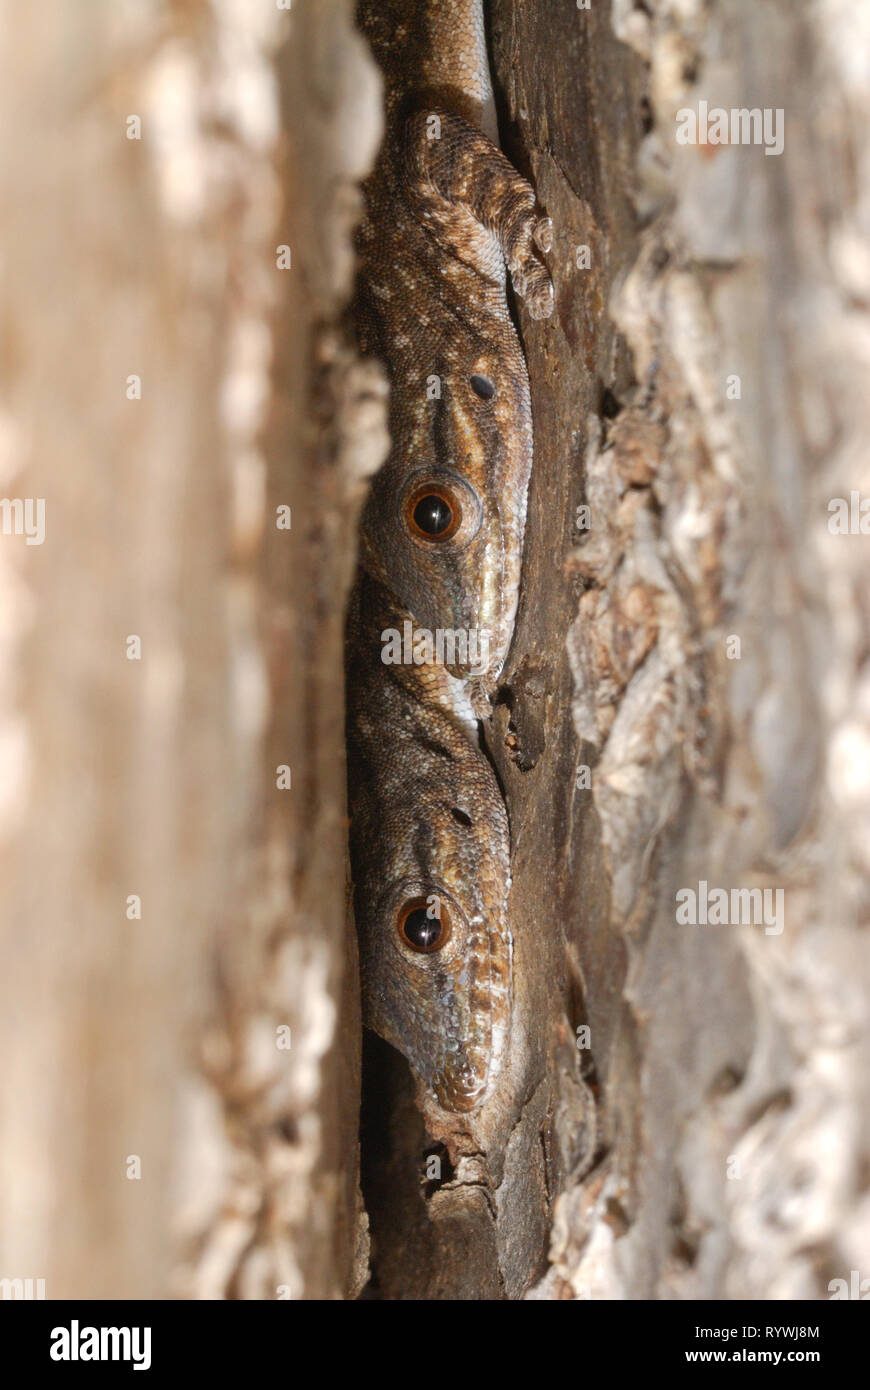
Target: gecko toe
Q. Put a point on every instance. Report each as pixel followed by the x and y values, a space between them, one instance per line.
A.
pixel 543 234
pixel 538 292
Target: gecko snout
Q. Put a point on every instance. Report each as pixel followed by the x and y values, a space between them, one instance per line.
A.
pixel 459 1095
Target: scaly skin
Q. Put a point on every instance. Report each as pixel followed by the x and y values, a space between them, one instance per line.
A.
pixel 445 213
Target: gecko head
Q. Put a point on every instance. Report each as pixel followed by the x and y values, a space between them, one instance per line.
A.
pixel 436 984
pixel 443 525
pixel 431 910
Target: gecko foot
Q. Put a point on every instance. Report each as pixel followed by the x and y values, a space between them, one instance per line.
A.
pixel 529 276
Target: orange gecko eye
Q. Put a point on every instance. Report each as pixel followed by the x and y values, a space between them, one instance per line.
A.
pixel 420 927
pixel 439 508
pixel 433 512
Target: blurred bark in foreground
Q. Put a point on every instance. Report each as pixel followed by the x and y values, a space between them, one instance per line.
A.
pixel 161 1037
pixel 712 1141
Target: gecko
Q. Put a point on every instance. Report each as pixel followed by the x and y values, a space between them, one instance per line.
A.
pixel 447 219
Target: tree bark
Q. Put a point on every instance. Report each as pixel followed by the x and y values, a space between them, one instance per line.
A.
pixel 675 646
pixel 691 1118
pixel 158 1135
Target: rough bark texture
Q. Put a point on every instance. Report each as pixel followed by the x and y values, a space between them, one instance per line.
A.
pixel 711 1140
pixel 704 1139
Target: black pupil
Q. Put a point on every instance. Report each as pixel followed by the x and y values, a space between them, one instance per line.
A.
pixel 483 387
pixel 432 515
pixel 421 930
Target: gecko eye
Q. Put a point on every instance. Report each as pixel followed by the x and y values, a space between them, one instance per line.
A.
pixel 482 387
pixel 438 508
pixel 432 515
pixel 433 512
pixel 420 928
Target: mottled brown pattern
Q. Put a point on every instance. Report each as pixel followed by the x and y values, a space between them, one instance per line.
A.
pixel 445 213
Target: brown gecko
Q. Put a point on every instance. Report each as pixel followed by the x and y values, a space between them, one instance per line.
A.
pixel 440 549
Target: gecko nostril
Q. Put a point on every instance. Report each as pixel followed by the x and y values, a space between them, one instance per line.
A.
pixel 421 928
pixel 462 817
pixel 482 387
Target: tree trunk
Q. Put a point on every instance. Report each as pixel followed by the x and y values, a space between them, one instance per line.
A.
pixel 686 700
